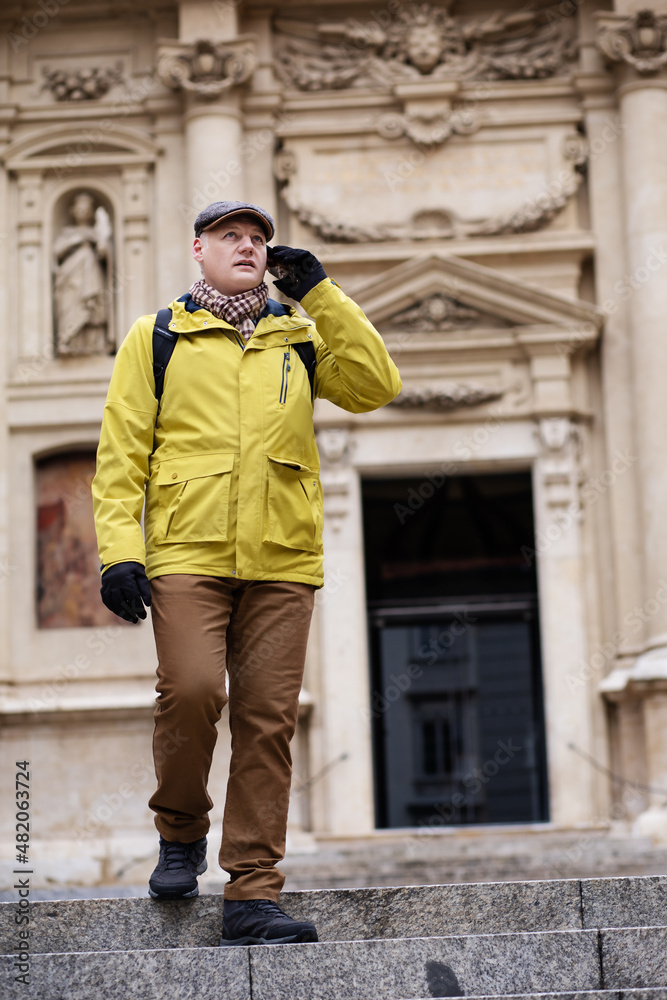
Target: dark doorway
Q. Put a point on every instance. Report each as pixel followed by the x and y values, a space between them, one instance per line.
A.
pixel 456 700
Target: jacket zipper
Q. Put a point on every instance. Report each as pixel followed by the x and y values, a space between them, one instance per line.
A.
pixel 286 370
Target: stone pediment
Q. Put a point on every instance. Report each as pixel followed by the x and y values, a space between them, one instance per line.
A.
pixel 439 294
pixel 51 146
pixel 441 312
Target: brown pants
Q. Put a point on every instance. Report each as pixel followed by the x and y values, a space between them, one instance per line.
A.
pixel 258 631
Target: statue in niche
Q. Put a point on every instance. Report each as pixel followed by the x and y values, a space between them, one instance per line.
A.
pixel 82 268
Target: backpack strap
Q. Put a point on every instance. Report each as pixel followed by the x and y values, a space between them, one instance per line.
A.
pixel 164 342
pixel 306 352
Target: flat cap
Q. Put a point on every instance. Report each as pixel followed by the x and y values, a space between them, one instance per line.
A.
pixel 219 210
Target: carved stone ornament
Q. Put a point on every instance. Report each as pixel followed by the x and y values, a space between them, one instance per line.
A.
pixel 444 223
pixel 441 312
pixel 560 447
pixel 640 40
pixel 427 131
pixel 206 69
pixel 445 398
pixel 285 165
pixel 420 41
pixel 554 433
pixel 333 444
pixel 335 474
pixel 81 84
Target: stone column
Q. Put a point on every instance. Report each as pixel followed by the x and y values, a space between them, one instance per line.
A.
pixel 623 559
pixel 264 118
pixel 636 42
pixel 565 668
pixel 33 276
pixel 345 794
pixel 173 232
pixel 133 279
pixel 6 567
pixel 207 65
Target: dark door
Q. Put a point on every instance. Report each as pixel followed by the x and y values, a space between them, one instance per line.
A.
pixel 456 699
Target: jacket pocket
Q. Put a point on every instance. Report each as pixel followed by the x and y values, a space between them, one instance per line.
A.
pixel 294 505
pixel 193 498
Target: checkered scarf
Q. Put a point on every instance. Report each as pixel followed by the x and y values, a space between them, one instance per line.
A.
pixel 240 310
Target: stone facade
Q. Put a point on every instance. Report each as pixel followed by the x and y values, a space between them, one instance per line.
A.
pixel 488 185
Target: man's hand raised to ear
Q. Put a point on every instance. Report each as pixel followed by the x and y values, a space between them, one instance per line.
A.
pixel 298 270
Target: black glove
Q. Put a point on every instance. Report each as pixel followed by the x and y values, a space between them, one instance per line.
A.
pixel 125 589
pixel 298 270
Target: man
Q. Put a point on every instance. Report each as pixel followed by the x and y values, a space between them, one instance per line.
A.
pixel 228 467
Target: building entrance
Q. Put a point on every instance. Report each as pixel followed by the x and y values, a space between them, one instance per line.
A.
pixel 456 694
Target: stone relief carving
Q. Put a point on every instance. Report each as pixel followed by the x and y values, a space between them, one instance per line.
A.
pixel 81 84
pixel 445 223
pixel 560 446
pixel 441 312
pixel 533 214
pixel 206 69
pixel 285 165
pixel 423 40
pixel 445 398
pixel 334 446
pixel 82 272
pixel 427 131
pixel 640 40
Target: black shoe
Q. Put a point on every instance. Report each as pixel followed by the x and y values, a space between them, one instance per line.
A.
pixel 175 876
pixel 261 921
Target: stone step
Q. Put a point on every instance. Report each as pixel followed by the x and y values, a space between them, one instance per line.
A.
pixel 350 914
pixel 471 965
pixel 651 993
pixel 426 857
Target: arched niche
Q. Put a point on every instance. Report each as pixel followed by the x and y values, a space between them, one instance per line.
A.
pixel 116 165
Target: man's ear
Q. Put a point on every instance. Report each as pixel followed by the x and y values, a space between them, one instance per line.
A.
pixel 197 252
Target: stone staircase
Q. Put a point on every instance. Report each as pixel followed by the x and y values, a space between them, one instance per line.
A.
pixel 469 854
pixel 570 939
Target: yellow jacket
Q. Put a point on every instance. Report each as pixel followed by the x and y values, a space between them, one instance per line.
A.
pixel 229 467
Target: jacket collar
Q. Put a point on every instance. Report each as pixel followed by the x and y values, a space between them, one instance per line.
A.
pixel 189 317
